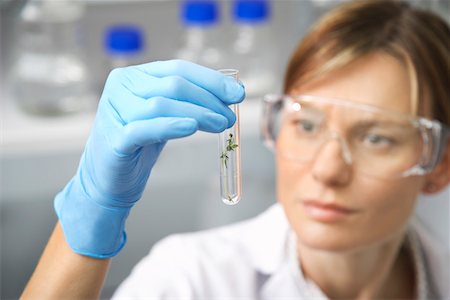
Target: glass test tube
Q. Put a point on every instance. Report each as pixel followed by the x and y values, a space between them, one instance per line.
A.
pixel 230 155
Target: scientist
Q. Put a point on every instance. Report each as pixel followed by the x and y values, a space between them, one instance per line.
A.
pixel 360 133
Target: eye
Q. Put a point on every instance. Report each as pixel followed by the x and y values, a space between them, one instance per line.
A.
pixel 378 140
pixel 305 123
pixel 306 126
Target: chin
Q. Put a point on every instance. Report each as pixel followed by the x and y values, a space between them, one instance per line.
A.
pixel 328 243
pixel 334 237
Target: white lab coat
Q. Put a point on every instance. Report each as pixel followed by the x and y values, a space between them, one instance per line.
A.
pixel 256 259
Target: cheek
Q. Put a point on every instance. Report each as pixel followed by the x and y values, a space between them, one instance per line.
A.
pixel 288 178
pixel 289 181
pixel 387 206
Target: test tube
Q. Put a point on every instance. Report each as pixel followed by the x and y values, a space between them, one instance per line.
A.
pixel 230 155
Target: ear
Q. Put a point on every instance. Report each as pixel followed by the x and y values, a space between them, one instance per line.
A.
pixel 439 178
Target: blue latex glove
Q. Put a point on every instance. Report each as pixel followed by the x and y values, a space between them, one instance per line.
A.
pixel 140 109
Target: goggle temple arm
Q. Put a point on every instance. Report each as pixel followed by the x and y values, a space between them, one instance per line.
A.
pixel 271 103
pixel 440 137
pixel 443 142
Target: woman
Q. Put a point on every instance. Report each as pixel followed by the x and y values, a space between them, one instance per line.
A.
pixel 355 145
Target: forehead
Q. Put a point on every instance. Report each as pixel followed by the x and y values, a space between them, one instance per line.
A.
pixel 376 79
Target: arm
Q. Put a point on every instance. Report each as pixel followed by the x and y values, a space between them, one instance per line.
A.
pixel 62 273
pixel 141 108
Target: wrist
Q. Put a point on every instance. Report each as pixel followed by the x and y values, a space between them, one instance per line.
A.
pixel 90 229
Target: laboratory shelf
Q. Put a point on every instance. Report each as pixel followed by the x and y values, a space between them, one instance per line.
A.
pixel 24 134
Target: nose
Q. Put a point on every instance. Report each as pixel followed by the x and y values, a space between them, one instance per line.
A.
pixel 332 164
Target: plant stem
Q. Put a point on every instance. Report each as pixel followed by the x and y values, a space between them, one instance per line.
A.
pixel 231 146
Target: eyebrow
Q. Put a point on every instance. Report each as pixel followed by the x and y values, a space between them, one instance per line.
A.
pixel 388 121
pixel 385 121
pixel 391 126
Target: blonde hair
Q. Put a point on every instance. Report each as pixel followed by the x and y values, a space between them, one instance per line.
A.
pixel 417 38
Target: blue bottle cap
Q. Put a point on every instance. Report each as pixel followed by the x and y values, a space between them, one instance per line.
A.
pixel 123 39
pixel 199 12
pixel 251 11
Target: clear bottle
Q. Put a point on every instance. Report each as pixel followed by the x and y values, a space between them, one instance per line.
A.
pixel 200 20
pixel 50 76
pixel 252 49
pixel 123 45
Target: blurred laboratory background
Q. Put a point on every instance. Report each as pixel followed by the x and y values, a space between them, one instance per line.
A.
pixel 54 58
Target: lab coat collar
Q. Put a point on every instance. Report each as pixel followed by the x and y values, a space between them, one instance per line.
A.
pixel 278 263
pixel 269 250
pixel 431 262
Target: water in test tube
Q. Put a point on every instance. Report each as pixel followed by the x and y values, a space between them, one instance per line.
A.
pixel 230 155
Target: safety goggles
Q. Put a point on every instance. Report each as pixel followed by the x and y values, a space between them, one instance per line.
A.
pixel 374 141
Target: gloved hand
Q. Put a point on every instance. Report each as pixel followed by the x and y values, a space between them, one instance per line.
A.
pixel 140 109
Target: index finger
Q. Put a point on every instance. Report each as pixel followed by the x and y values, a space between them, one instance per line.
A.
pixel 226 88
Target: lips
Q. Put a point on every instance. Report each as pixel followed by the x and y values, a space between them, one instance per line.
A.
pixel 325 211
